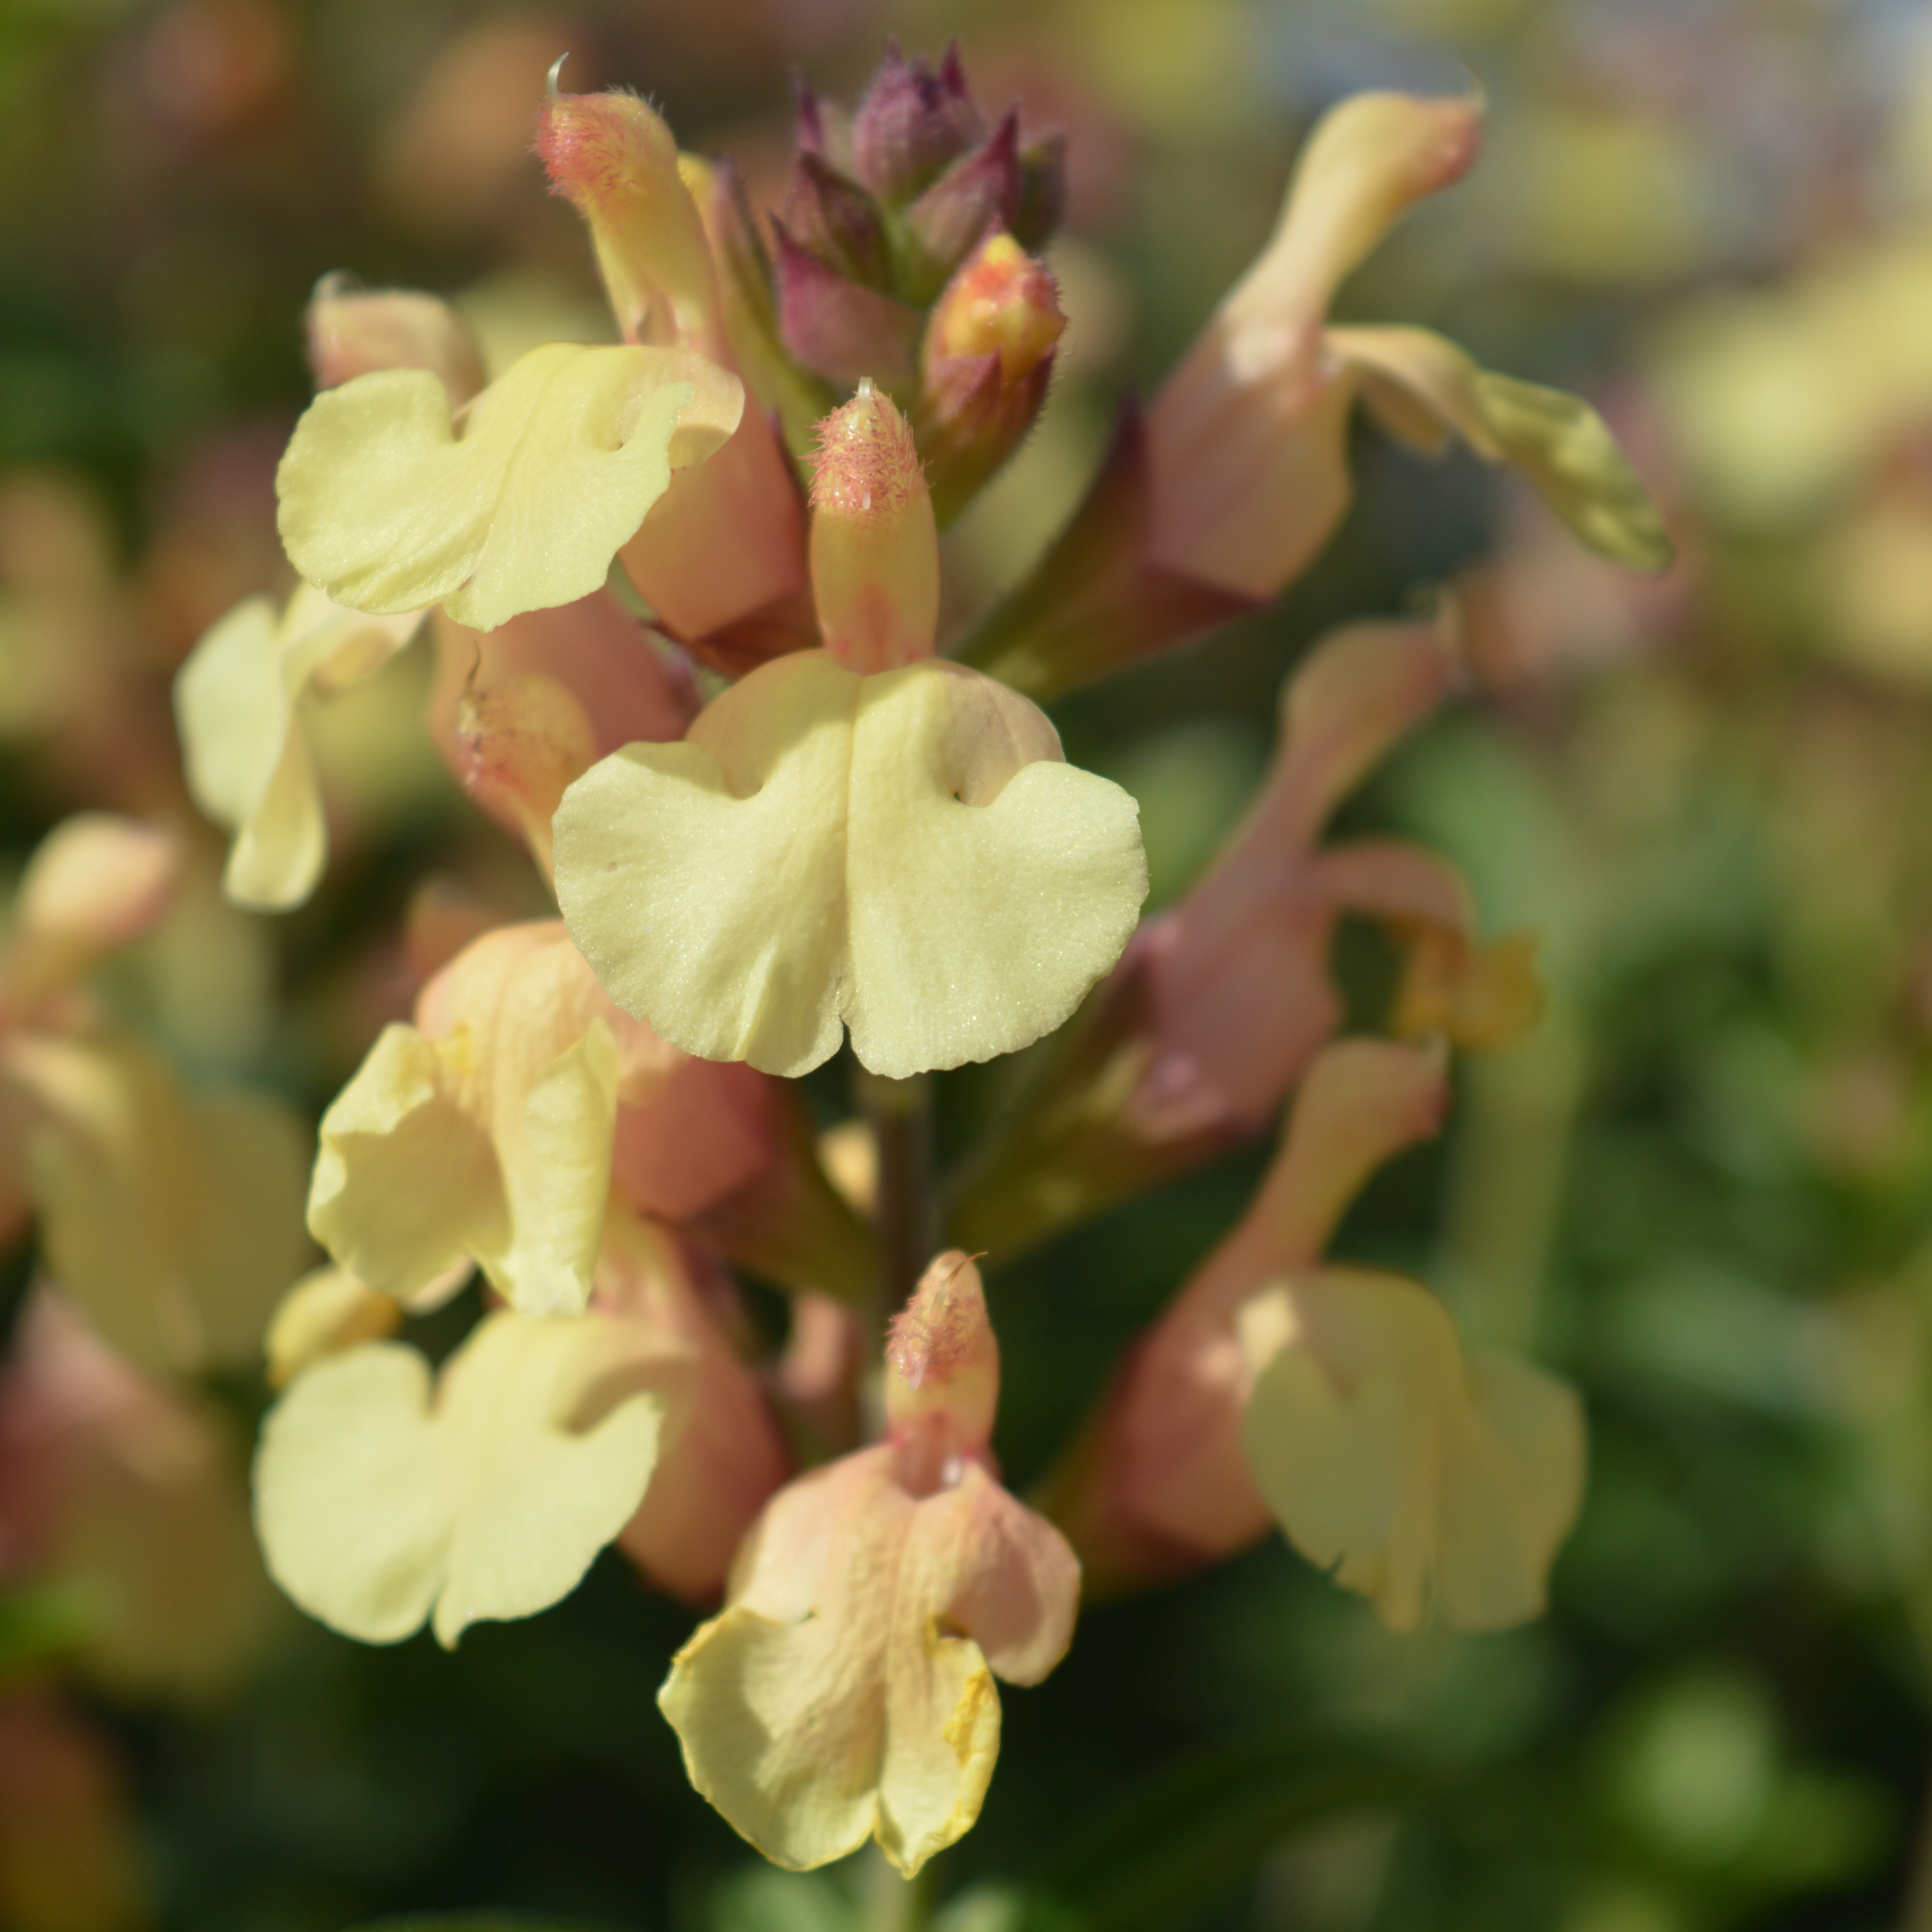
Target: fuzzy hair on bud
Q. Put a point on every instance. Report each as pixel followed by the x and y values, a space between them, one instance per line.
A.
pixel 875 548
pixel 865 463
pixel 943 1365
pixel 595 147
pixel 613 157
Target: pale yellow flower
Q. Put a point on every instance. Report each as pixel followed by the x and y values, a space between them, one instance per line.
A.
pixel 485 1131
pixel 1335 1402
pixel 846 1690
pixel 1247 439
pixel 239 705
pixel 1429 1482
pixel 861 835
pixel 171 1219
pixel 390 505
pixel 383 1500
pixel 906 852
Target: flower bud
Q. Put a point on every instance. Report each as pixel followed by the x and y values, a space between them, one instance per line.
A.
pixel 988 357
pixel 353 331
pixel 837 221
pixel 980 192
pixel 912 123
pixel 615 161
pixel 96 883
pixel 837 328
pixel 943 1371
pixel 874 549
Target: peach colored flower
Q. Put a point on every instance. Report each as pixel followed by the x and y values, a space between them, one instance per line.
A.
pixel 846 1692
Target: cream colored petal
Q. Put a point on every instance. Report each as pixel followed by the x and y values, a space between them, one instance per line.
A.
pixel 558 1181
pixel 990 883
pixel 487 1131
pixel 1369 158
pixel 1512 1490
pixel 281 847
pixel 942 1742
pixel 378 1503
pixel 238 701
pixel 406 1183
pixel 1001 1573
pixel 384 504
pixel 780 1703
pixel 231 711
pixel 833 1699
pixel 1557 440
pixel 907 852
pixel 705 881
pixel 173 1220
pixel 1342 1441
pixel 1424 1482
pixel 327 1311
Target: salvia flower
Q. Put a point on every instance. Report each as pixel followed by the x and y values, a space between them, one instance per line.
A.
pixel 846 1690
pixel 169 1216
pixel 1336 1401
pixel 864 834
pixel 721 549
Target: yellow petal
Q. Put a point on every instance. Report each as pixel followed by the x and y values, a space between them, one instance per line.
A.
pixel 1557 440
pixel 327 1311
pixel 487 1133
pixel 388 508
pixel 173 1220
pixel 1414 1478
pixel 844 1691
pixel 406 1182
pixel 826 1704
pixel 560 1179
pixel 1368 159
pixel 907 852
pixel 378 1504
pixel 238 699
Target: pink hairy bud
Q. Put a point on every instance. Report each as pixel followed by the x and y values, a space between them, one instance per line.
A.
pixel 875 548
pixel 943 1370
pixel 613 157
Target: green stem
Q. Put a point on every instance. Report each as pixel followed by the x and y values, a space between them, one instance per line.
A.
pixel 900 1114
pixel 893 1903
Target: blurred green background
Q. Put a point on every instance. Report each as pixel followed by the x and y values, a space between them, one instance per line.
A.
pixel 1701 1190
